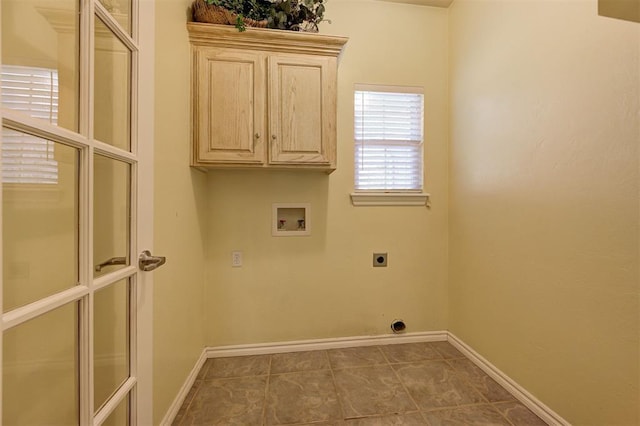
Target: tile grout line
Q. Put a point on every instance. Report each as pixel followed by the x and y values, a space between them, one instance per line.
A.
pixel 359 367
pixel 486 402
pixel 266 392
pixel 313 370
pixel 455 407
pixel 503 415
pixel 197 384
pixel 447 361
pixel 335 387
pixel 470 383
pixel 404 387
pixel 467 381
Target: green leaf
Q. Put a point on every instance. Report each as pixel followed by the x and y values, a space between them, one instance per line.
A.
pixel 240 23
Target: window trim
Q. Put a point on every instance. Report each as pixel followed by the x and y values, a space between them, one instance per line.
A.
pixel 371 198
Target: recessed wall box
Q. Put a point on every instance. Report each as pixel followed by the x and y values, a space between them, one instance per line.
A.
pixel 379 260
pixel 291 220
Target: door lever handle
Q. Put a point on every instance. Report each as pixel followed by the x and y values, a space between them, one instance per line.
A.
pixel 111 262
pixel 147 263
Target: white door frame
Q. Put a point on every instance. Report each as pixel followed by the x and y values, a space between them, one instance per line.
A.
pixel 1 245
pixel 146 88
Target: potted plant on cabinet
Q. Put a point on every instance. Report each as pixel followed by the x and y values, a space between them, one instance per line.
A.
pixel 241 13
pixel 293 15
pixel 296 15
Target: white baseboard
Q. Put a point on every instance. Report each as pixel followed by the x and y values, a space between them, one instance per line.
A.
pixel 320 344
pixel 520 393
pixel 172 412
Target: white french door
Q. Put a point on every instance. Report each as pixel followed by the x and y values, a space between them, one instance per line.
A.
pixel 77 199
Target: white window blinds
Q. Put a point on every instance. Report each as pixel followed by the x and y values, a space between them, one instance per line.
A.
pixel 388 138
pixel 34 92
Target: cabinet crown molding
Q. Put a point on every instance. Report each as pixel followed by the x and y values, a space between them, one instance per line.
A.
pixel 265 39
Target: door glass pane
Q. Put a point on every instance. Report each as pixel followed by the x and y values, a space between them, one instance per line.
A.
pixel 121 11
pixel 111 340
pixel 40 218
pixel 40 66
pixel 119 416
pixel 112 85
pixel 40 370
pixel 111 213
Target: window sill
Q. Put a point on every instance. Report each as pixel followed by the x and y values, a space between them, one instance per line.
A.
pixel 359 199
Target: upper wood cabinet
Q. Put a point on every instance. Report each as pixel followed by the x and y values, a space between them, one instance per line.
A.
pixel 229 107
pixel 263 98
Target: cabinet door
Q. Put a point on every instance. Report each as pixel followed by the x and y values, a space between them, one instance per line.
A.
pixel 302 110
pixel 230 93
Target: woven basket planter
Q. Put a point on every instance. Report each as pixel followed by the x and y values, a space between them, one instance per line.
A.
pixel 212 14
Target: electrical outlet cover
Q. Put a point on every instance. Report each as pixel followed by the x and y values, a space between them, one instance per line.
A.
pixel 236 258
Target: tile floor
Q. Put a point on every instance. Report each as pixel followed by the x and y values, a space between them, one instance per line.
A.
pixel 404 384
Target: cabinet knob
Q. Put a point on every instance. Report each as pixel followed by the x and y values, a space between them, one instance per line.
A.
pixel 273 137
pixel 257 135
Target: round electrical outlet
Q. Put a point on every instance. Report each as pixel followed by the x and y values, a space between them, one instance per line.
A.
pixel 379 259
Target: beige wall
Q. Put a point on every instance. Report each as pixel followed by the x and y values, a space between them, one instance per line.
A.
pixel 544 200
pixel 179 205
pixel 293 288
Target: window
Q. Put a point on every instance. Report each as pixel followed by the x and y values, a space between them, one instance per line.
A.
pixel 33 91
pixel 388 138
